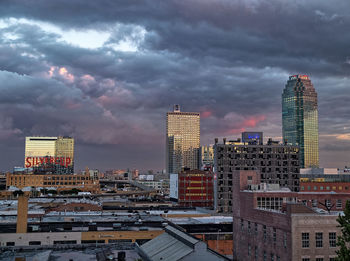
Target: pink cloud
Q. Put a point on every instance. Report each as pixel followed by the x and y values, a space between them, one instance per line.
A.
pixel 236 123
pixel 66 75
pixel 253 121
pixel 234 131
pixel 206 114
pixel 72 105
pixel 87 79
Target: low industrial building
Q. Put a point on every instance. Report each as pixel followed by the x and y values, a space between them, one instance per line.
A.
pixel 58 182
pixel 174 245
pixel 78 222
pixel 270 224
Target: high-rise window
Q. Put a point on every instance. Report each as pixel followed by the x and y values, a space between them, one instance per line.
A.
pixel 300 118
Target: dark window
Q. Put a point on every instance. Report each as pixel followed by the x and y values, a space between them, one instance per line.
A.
pixel 120 240
pixel 305 240
pixel 319 239
pixel 34 243
pixel 10 243
pixel 332 239
pixel 65 242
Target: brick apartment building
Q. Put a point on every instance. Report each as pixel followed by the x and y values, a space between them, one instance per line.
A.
pixel 275 162
pixel 270 224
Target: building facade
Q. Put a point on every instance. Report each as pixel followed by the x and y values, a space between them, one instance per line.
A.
pixel 195 188
pixel 58 182
pixel 300 118
pixel 291 231
pixel 276 163
pixel 254 138
pixel 49 155
pixel 182 140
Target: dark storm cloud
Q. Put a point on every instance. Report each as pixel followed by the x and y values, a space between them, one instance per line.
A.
pixel 227 59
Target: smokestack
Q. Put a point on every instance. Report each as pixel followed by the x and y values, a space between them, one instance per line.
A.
pixel 22 214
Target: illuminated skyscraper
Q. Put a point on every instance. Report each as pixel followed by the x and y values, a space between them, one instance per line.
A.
pixel 182 140
pixel 300 118
pixel 50 154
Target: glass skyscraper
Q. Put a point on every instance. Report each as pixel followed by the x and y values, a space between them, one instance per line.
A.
pixel 182 140
pixel 300 118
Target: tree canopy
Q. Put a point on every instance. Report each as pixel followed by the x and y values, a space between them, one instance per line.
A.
pixel 344 239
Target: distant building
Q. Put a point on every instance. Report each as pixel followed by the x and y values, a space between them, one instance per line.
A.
pixel 145 177
pixel 118 174
pixel 313 171
pixel 174 187
pixel 325 183
pixel 135 174
pixel 161 185
pixel 300 118
pixel 57 182
pixel 206 156
pixel 182 140
pixel 276 163
pixel 50 154
pixel 193 188
pixel 94 173
pixel 252 138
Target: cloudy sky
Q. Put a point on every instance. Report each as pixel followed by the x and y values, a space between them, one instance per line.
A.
pixel 106 72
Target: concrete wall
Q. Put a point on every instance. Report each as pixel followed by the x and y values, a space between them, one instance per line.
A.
pixel 23 239
pixel 174 183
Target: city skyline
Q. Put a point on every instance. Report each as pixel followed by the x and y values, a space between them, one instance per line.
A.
pixel 107 76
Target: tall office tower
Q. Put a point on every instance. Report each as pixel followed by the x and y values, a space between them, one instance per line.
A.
pixel 50 154
pixel 275 162
pixel 300 118
pixel 182 140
